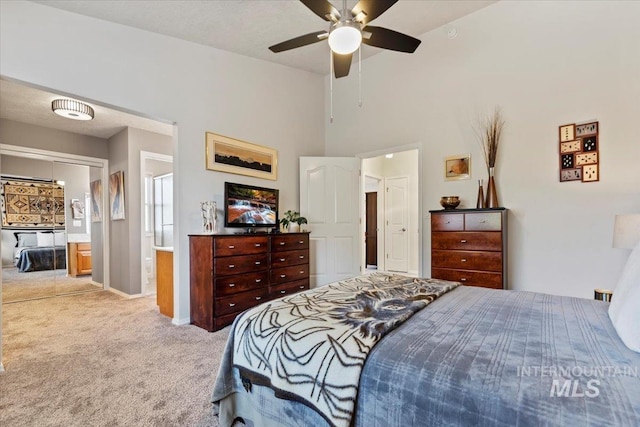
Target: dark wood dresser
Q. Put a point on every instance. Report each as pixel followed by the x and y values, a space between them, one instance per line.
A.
pixel 230 273
pixel 470 246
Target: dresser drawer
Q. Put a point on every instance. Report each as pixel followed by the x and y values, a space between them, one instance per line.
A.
pixel 284 242
pixel 469 278
pixel 288 288
pixel 288 274
pixel 230 285
pixel 240 301
pixel 447 222
pixel 483 221
pixel 240 264
pixel 467 240
pixel 229 246
pixel 289 258
pixel 467 260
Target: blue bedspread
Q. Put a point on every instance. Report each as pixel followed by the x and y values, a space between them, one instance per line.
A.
pixel 41 258
pixel 478 356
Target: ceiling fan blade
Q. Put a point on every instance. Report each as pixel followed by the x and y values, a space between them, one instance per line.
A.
pixel 322 8
pixel 372 9
pixel 298 41
pixel 389 39
pixel 341 64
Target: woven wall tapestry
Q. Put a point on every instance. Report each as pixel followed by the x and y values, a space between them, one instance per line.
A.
pixel 32 204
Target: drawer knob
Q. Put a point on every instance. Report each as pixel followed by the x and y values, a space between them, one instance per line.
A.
pixel 232 266
pixel 301 286
pixel 231 285
pixel 463 260
pixel 283 276
pixel 258 245
pixel 281 243
pixel 283 259
pixel 464 279
pixel 283 292
pixel 301 257
pixel 258 280
pixel 257 262
pixel 301 242
pixel 258 298
pixel 463 241
pixel 301 271
pixel 231 304
pixel 232 247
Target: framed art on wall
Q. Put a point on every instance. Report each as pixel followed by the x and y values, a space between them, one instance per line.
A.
pixel 116 195
pixel 457 167
pixel 231 155
pixel 77 209
pixel 96 200
pixel 579 152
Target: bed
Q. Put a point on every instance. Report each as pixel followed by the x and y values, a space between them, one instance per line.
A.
pixel 472 356
pixel 38 251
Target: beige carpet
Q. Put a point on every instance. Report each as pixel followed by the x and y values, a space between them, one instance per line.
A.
pixel 18 286
pixel 96 359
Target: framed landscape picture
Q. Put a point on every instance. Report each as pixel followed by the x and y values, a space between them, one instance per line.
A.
pixel 230 155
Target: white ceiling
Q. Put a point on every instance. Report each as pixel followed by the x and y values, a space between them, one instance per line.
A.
pixel 246 27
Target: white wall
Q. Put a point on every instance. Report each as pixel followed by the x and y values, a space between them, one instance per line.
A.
pixel 199 88
pixel 546 64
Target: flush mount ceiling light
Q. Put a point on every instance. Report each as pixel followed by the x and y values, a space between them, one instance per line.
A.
pixel 72 109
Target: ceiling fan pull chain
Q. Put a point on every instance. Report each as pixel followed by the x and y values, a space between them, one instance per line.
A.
pixel 331 87
pixel 360 76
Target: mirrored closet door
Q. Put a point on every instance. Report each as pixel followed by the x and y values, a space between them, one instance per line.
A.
pixel 51 236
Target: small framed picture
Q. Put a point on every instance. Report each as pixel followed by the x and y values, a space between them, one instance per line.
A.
pixel 457 167
pixel 77 209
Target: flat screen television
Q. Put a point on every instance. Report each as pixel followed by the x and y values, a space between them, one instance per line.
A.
pixel 246 206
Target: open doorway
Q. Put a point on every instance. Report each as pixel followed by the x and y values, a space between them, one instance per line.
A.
pixel 391 223
pixel 156 176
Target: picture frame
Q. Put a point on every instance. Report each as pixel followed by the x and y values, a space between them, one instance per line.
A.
pixel 225 154
pixel 457 167
pixel 96 200
pixel 77 209
pixel 116 195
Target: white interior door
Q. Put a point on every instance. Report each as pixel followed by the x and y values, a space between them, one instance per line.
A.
pixel 329 188
pixel 397 208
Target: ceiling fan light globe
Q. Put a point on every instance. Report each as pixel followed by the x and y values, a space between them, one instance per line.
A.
pixel 345 38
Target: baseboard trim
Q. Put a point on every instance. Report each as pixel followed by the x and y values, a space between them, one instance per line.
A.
pixel 125 295
pixel 180 322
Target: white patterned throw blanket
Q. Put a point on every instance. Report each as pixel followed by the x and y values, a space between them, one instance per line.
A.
pixel 311 347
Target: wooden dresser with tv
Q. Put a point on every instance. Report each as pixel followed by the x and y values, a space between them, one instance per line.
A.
pixel 230 273
pixel 470 246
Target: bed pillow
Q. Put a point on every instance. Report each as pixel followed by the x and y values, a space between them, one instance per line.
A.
pixel 59 238
pixel 25 239
pixel 624 310
pixel 44 239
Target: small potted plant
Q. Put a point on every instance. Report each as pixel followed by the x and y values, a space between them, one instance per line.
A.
pixel 292 221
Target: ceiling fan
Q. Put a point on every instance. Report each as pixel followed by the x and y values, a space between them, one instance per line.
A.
pixel 348 30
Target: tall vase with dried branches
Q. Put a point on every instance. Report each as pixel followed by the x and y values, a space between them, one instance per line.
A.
pixel 489 135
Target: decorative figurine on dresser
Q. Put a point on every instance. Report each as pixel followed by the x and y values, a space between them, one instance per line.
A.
pixel 470 246
pixel 230 273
